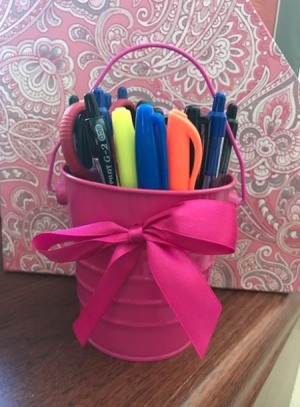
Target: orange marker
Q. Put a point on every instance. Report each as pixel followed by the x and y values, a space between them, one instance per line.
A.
pixel 179 133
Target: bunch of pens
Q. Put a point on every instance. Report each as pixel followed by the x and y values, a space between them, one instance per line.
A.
pixel 139 146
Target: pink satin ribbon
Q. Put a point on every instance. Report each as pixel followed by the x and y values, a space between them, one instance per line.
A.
pixel 206 227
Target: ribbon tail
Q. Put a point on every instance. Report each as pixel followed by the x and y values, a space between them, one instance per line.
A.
pixel 120 266
pixel 187 292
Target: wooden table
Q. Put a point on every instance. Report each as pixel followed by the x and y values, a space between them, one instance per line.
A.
pixel 41 364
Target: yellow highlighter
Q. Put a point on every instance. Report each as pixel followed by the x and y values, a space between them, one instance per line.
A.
pixel 124 141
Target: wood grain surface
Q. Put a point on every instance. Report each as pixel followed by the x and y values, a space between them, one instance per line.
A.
pixel 41 364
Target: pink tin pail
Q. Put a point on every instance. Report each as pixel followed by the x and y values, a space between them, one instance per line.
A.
pixel 142 260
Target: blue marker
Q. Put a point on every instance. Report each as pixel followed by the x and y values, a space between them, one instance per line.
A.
pixel 216 139
pixel 160 135
pixel 147 162
pixel 100 98
pixel 122 93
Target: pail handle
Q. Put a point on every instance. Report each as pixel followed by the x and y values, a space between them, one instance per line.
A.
pixel 207 80
pixel 51 166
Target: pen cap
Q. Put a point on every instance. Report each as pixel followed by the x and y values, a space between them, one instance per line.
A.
pixel 219 102
pixel 128 104
pixel 124 142
pixel 91 105
pixel 225 158
pixel 73 99
pixel 217 116
pixel 217 132
pixel 179 133
pixel 159 129
pixel 159 110
pixel 100 98
pixel 231 114
pixel 122 93
pixel 146 151
pixel 99 95
pixel 142 102
pixel 193 114
pixel 107 100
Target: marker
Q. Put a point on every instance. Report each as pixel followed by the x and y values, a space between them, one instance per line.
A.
pixel 216 139
pixel 179 133
pixel 231 114
pixel 99 141
pixel 147 162
pixel 124 103
pixel 160 135
pixel 142 102
pixel 124 142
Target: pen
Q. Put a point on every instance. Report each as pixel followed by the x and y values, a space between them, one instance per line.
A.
pixel 73 99
pixel 204 123
pixel 193 114
pixel 100 98
pixel 99 141
pixel 107 100
pixel 216 139
pixel 145 148
pixel 76 136
pixel 160 135
pixel 122 93
pixel 83 148
pixel 124 142
pixel 179 133
pixel 231 114
pixel 159 110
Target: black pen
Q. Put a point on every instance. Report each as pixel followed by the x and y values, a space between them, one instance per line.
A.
pixel 205 132
pixel 202 123
pixel 231 114
pixel 193 114
pixel 98 137
pixel 83 147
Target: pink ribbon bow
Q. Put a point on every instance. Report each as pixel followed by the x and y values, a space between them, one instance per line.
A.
pixel 206 227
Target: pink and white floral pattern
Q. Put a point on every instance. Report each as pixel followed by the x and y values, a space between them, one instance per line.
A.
pixel 51 49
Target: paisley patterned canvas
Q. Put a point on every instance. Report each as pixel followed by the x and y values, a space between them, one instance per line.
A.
pixel 52 49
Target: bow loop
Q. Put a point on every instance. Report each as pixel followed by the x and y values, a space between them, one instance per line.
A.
pixel 198 226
